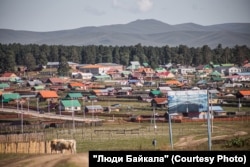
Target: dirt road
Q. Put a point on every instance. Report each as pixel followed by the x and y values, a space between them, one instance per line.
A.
pixel 51 160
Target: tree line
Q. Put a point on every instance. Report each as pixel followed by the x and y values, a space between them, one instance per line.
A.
pixel 33 55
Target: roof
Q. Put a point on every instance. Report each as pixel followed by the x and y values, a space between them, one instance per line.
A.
pixel 100 90
pixel 56 80
pixel 213 91
pixel 135 63
pixel 74 95
pixel 245 92
pixel 173 82
pixel 102 76
pixel 4 85
pixel 40 87
pixel 94 107
pixel 215 73
pixel 9 74
pixel 70 103
pixel 93 66
pixel 215 108
pixel 155 92
pixel 247 65
pixel 160 100
pixel 48 94
pixel 76 84
pixel 10 96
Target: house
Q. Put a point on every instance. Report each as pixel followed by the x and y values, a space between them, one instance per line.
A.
pixel 204 68
pixel 70 105
pixel 215 76
pixel 244 94
pixel 146 72
pixel 47 95
pixel 101 78
pixel 112 66
pixel 74 96
pixel 38 88
pixel 166 74
pixel 56 65
pixel 34 83
pixel 77 86
pixel 155 93
pixel 123 92
pixel 94 109
pixel 100 92
pixel 4 85
pixel 245 67
pixel 114 73
pixel 8 97
pixel 217 111
pixel 8 76
pixel 173 83
pixel 134 65
pixel 95 69
pixel 185 71
pixel 232 70
pixel 159 102
pixel 92 98
pixel 55 81
pixel 125 74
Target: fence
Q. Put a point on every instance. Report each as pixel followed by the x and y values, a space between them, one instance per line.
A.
pixel 30 147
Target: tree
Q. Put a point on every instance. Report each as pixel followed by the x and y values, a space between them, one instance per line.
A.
pixel 8 61
pixel 29 61
pixel 63 69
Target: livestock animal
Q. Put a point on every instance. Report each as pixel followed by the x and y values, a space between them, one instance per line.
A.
pixel 62 144
pixel 53 145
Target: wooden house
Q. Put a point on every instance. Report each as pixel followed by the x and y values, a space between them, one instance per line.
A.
pixel 47 95
pixel 55 81
pixel 159 102
pixel 70 105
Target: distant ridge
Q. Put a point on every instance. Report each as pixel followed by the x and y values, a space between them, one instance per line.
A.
pixel 148 32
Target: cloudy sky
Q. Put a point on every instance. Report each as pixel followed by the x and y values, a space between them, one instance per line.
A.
pixel 51 15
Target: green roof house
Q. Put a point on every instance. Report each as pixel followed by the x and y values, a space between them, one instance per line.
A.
pixel 70 105
pixel 74 96
pixel 7 97
pixel 155 93
pixel 4 85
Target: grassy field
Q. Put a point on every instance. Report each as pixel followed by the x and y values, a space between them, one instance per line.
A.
pixel 120 136
pixel 139 136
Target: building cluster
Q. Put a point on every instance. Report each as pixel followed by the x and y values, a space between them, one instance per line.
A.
pixel 88 82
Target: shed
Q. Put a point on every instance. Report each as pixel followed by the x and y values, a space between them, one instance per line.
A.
pixel 94 109
pixel 217 110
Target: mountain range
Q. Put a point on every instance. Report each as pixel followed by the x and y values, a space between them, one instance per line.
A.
pixel 148 32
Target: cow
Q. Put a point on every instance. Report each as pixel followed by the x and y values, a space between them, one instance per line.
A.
pixel 62 144
pixel 54 145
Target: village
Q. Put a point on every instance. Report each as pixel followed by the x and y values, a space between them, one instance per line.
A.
pixel 135 93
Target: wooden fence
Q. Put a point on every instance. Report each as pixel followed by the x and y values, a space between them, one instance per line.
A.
pixel 29 147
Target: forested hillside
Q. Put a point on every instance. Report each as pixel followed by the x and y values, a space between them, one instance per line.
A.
pixel 12 55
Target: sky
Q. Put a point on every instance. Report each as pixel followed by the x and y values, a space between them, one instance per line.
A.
pixel 53 15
